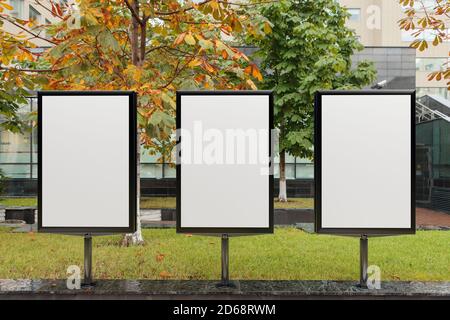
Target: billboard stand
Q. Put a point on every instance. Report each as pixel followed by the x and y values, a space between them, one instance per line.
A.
pixel 363 260
pixel 87 282
pixel 355 121
pixel 228 116
pixel 225 281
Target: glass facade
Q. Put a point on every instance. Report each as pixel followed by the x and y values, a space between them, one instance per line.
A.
pixel 436 136
pixel 296 168
pixel 442 92
pixel 18 152
pixel 18 158
pixel 431 64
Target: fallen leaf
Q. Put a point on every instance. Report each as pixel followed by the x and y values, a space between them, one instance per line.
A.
pixel 160 257
pixel 165 274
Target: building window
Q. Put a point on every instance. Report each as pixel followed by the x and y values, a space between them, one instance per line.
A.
pixel 296 168
pixel 154 166
pixel 14 147
pixel 421 5
pixel 18 152
pixel 35 15
pixel 17 10
pixel 442 92
pixel 170 171
pixel 355 14
pixel 151 170
pixel 428 35
pixel 431 64
pixel 18 171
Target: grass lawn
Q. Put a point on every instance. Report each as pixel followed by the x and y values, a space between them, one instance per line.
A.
pixel 288 254
pixel 21 202
pixel 163 202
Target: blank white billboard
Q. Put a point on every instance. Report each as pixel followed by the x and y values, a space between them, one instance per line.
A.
pixel 224 181
pixel 364 162
pixel 87 180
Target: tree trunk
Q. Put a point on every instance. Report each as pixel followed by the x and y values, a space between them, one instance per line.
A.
pixel 282 196
pixel 136 238
pixel 134 36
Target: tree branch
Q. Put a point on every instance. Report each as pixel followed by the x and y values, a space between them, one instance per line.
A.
pixel 52 13
pixel 134 37
pixel 155 48
pixel 168 13
pixel 27 30
pixel 143 39
pixel 246 4
pixel 192 22
pixel 133 11
pixel 177 72
pixel 30 70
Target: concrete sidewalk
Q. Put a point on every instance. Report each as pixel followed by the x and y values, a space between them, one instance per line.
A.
pixel 185 289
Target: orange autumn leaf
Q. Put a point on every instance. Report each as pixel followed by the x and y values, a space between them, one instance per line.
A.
pixel 208 67
pixel 257 74
pixel 194 63
pixel 165 274
pixel 179 39
pixel 160 257
pixel 7 6
pixel 224 54
pixel 253 70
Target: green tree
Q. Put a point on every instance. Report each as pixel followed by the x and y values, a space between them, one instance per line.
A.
pixel 309 49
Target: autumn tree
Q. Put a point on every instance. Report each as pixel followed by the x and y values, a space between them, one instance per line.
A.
pixel 15 49
pixel 429 24
pixel 309 49
pixel 151 47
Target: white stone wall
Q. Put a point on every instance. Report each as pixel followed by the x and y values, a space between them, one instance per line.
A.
pixel 2 214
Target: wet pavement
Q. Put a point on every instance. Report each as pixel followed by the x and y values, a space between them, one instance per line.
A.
pixel 251 289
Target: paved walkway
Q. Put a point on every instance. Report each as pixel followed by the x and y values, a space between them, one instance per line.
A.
pixel 248 289
pixel 427 217
pixel 424 218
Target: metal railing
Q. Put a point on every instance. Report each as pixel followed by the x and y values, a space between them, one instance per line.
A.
pixel 423 113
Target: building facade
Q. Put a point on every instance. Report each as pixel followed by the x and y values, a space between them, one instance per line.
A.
pixel 376 24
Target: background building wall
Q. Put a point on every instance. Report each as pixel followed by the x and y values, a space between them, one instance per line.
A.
pixel 396 65
pixel 376 23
